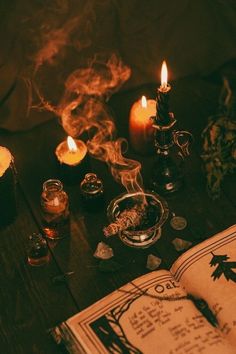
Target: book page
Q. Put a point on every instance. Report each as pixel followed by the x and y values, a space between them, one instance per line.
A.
pixel 208 274
pixel 150 315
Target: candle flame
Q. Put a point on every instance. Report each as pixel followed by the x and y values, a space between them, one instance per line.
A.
pixel 164 75
pixel 144 102
pixel 71 144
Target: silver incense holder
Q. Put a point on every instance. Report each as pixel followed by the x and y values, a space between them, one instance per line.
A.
pixel 137 229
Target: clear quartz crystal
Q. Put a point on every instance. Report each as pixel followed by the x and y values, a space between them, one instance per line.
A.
pixel 103 251
pixel 55 210
pixel 153 262
pixel 180 244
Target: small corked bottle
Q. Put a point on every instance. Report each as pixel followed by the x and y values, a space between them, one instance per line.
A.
pixel 55 210
pixel 92 192
pixel 38 252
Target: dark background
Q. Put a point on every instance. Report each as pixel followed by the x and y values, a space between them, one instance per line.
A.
pixel 43 42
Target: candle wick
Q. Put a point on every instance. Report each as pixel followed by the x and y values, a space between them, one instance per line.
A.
pixel 164 87
pixel 73 149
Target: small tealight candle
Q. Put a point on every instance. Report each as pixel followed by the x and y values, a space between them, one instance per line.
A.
pixel 72 156
pixel 140 125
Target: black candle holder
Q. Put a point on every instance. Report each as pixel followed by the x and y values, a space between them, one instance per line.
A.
pixel 172 146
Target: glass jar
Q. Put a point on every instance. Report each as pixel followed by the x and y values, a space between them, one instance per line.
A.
pixel 55 210
pixel 92 192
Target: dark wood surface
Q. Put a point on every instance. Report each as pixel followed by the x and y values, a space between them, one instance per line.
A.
pixel 30 302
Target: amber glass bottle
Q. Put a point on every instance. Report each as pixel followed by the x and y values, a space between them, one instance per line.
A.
pixel 55 210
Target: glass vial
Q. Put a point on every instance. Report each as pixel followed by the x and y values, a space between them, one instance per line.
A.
pixel 92 192
pixel 55 210
pixel 37 253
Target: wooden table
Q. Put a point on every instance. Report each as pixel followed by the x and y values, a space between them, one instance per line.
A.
pixel 30 302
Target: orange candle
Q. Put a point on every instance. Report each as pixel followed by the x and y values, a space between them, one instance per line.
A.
pixel 140 125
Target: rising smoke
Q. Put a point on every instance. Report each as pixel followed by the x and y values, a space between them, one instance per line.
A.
pixel 82 104
pixel 83 108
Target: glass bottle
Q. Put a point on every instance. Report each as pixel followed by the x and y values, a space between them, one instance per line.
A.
pixel 92 192
pixel 38 253
pixel 55 210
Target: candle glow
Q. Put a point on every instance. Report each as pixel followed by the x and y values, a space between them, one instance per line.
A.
pixel 71 151
pixel 164 76
pixel 71 144
pixel 144 102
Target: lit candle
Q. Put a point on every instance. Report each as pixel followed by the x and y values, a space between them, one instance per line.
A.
pixel 164 77
pixel 163 116
pixel 140 125
pixel 8 209
pixel 72 156
pixel 71 152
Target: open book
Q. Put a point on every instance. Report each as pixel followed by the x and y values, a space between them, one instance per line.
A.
pixel 190 309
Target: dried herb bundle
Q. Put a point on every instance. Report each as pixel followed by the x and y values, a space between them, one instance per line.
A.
pixel 128 218
pixel 219 142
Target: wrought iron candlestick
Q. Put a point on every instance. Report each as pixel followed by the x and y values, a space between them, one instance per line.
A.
pixel 172 146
